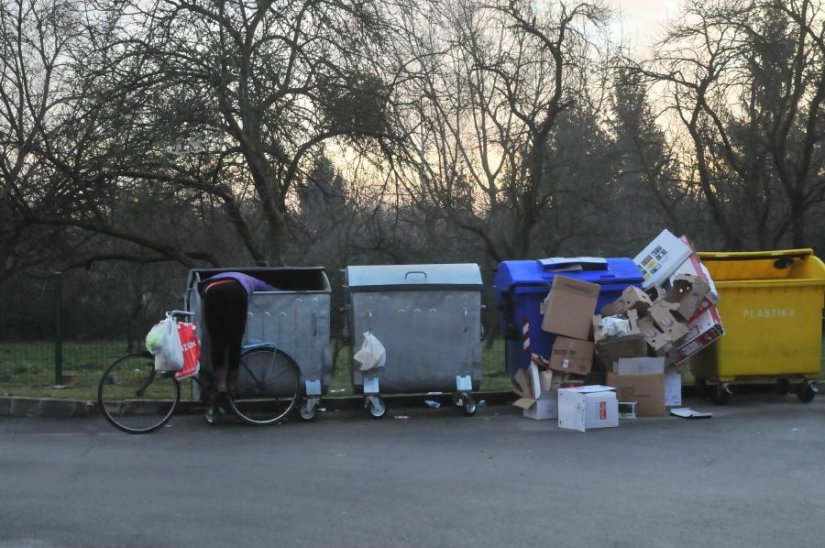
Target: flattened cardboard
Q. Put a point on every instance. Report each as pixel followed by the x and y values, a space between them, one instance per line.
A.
pixel 661 257
pixel 648 391
pixel 703 330
pixel 588 407
pixel 568 308
pixel 673 388
pixel 522 381
pixel 571 356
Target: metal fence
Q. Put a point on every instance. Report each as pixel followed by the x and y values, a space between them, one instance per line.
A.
pixel 61 330
pixel 58 332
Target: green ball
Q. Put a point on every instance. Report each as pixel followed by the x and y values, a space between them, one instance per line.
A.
pixel 154 341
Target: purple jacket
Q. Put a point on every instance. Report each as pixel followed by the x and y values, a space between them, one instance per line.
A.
pixel 250 283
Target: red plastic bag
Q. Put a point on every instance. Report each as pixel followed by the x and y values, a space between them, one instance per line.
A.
pixel 191 351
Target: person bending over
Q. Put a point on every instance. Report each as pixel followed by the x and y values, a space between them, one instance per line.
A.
pixel 225 302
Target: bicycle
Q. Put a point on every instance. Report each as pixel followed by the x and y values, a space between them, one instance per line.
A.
pixel 136 399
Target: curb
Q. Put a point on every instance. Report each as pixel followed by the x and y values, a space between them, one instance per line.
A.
pixel 11 406
pixel 46 407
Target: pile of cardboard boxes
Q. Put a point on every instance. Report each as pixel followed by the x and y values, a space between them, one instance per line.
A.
pixel 639 343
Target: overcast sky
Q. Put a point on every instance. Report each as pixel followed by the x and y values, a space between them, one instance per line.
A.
pixel 639 22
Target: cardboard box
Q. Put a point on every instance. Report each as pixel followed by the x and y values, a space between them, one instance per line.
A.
pixel 632 298
pixel 546 407
pixel 609 351
pixel 661 257
pixel 655 338
pixel 571 356
pixel 689 292
pixel 538 395
pixel 599 333
pixel 568 308
pixel 588 407
pixel 648 391
pixel 640 366
pixel 662 313
pixel 693 265
pixel 703 330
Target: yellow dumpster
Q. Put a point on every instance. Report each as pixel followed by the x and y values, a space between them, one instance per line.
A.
pixel 771 305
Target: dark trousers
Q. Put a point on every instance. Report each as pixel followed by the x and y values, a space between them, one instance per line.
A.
pixel 224 310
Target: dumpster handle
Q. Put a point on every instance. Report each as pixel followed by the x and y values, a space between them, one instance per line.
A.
pixel 466 320
pixel 314 324
pixel 421 272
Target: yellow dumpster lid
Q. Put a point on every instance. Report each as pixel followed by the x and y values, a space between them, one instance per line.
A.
pixel 796 264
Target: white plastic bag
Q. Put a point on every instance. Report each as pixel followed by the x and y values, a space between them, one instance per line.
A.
pixel 163 343
pixel 615 327
pixel 372 353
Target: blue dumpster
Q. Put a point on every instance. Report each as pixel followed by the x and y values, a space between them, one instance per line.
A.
pixel 520 287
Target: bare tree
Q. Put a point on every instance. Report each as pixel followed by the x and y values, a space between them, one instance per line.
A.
pixel 482 94
pixel 745 77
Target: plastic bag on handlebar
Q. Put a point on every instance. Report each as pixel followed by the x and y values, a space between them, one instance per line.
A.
pixel 163 343
pixel 372 353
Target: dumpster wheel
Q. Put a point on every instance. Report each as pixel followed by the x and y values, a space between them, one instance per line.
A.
pixel 807 391
pixel 375 405
pixel 466 403
pixel 722 393
pixel 309 409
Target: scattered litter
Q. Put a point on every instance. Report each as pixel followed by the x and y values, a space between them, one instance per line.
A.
pixel 432 404
pixel 322 409
pixel 688 413
pixel 337 390
pixel 482 403
pixel 401 417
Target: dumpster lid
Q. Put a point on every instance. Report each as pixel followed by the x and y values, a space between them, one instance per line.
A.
pixel 790 264
pixel 540 273
pixel 414 276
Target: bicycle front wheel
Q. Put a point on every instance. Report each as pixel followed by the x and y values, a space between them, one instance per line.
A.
pixel 268 387
pixel 134 397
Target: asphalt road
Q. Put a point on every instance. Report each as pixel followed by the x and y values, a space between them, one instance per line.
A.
pixel 753 475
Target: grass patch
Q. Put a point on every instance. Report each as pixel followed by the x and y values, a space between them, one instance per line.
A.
pixel 28 370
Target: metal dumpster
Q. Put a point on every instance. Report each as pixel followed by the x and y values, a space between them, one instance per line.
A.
pixel 771 303
pixel 428 318
pixel 521 286
pixel 296 319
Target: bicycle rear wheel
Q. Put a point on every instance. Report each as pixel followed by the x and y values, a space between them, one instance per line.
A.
pixel 268 388
pixel 134 397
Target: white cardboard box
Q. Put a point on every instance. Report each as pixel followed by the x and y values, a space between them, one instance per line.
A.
pixel 587 407
pixel 661 258
pixel 546 407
